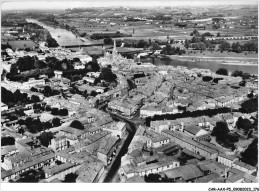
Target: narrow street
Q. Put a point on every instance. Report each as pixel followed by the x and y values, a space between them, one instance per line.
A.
pixel 131 128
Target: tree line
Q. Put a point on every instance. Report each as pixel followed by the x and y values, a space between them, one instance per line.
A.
pixel 17 98
pixel 207 112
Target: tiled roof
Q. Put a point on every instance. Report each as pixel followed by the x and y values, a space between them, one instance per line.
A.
pixel 187 172
pixel 106 145
pixel 207 178
pixel 244 165
pixel 193 129
pixel 89 171
pixel 59 168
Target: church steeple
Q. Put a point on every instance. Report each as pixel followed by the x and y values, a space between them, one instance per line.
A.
pixel 114 49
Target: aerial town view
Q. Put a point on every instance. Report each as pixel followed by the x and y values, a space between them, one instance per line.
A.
pixel 116 93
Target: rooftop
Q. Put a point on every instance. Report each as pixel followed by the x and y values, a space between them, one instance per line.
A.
pixel 89 171
pixel 58 168
pixel 208 178
pixel 107 144
pixel 187 172
pixel 244 165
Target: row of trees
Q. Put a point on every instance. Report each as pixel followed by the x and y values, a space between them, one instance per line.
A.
pixel 17 98
pixel 98 36
pixel 47 91
pixel 237 47
pixel 61 112
pixel 35 125
pixel 207 112
pixel 32 67
pixel 199 42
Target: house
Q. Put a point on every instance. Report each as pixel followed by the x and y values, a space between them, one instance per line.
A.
pixel 35 164
pixel 59 143
pixel 196 132
pixel 141 80
pixel 188 173
pixel 24 144
pixel 158 126
pixel 227 160
pixel 60 171
pixel 207 178
pixel 124 107
pixel 158 167
pixel 135 179
pixel 244 167
pixel 242 145
pixel 118 129
pixel 24 157
pixel 72 134
pixel 90 172
pixel 188 143
pixel 155 139
pixel 107 149
pixel 211 166
pixel 89 79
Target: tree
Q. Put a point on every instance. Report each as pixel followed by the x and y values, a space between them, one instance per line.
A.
pixel 250 155
pixel 250 106
pixel 108 41
pixel 46 125
pixel 186 44
pixel 220 131
pixel 244 124
pixel 21 131
pixel 207 78
pixel 45 138
pixel 218 34
pixel 107 74
pixel 77 124
pixel 237 73
pixel 7 141
pixel 55 111
pixel 83 34
pixel 222 71
pixel 93 93
pixel 224 46
pixel 56 122
pixel 47 90
pixel 70 178
pixel 39 64
pixel 35 99
pixel 246 76
pixel 64 112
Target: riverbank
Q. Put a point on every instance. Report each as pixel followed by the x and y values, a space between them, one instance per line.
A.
pixel 63 36
pixel 221 60
pixel 203 64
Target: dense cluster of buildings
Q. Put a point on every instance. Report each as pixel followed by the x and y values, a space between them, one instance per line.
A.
pixel 87 140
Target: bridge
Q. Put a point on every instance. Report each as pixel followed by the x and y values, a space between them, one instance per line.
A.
pixel 83 45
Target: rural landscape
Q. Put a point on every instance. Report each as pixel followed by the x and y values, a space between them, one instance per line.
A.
pixel 129 94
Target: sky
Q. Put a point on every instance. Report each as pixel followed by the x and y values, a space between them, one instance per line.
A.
pixel 65 4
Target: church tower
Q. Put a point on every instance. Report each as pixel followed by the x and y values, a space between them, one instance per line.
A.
pixel 114 49
pixel 114 54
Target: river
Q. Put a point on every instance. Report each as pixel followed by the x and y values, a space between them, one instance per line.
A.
pixel 62 36
pixel 252 69
pixel 65 37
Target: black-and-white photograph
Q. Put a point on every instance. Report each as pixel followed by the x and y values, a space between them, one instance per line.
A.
pixel 161 91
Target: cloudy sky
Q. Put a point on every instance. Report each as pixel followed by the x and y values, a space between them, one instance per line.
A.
pixel 64 4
